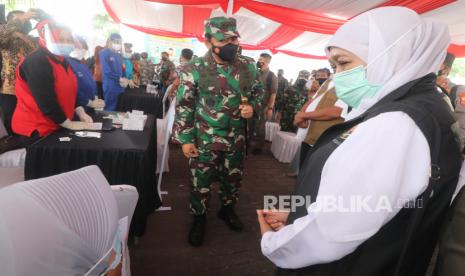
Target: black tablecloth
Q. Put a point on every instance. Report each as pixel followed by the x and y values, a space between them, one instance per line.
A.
pixel 125 157
pixel 138 99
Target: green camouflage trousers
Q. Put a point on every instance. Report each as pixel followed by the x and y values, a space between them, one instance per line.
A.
pixel 287 120
pixel 215 166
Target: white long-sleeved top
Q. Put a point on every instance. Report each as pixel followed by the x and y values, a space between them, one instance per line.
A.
pixel 386 158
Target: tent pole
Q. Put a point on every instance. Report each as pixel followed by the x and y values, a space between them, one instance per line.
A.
pixel 229 12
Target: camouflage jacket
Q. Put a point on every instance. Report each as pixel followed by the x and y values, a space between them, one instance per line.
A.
pixel 283 84
pixel 295 98
pixel 208 99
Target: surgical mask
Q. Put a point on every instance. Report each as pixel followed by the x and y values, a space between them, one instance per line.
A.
pixel 60 49
pixel 228 52
pixel 118 240
pixel 78 54
pixel 352 86
pixel 116 46
pixel 321 81
pixel 127 55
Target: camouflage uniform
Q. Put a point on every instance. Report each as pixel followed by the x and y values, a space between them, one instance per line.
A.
pixel 257 129
pixel 295 97
pixel 283 84
pixel 207 115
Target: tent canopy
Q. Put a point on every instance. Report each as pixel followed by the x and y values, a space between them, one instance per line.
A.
pixel 293 27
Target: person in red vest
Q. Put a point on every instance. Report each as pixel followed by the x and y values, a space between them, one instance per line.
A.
pixel 46 87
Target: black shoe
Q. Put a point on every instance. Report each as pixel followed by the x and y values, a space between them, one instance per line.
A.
pixel 227 214
pixel 197 231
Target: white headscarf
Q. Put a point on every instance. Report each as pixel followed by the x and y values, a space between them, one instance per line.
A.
pixel 61 225
pixel 397 44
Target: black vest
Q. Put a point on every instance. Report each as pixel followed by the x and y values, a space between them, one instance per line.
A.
pixel 405 244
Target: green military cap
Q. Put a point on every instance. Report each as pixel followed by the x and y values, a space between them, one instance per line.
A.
pixel 221 27
pixel 304 74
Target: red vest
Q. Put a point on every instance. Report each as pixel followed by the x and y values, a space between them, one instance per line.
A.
pixel 27 116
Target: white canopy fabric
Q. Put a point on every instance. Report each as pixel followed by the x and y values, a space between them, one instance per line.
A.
pixel 297 28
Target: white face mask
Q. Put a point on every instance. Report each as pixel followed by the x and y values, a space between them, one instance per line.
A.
pixel 127 55
pixel 116 46
pixel 78 54
pixel 60 49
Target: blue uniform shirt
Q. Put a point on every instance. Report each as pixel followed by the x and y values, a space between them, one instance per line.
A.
pixel 87 88
pixel 112 71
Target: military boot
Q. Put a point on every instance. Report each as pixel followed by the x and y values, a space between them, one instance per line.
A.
pixel 197 232
pixel 227 214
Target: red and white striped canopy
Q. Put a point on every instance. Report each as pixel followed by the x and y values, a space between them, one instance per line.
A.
pixel 299 28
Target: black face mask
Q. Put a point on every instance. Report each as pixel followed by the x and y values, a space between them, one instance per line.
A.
pixel 227 52
pixel 321 81
pixel 301 83
pixel 259 65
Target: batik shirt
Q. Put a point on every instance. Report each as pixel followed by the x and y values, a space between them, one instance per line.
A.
pixel 14 47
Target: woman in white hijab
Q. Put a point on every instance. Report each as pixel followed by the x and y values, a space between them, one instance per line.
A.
pixel 395 150
pixel 56 226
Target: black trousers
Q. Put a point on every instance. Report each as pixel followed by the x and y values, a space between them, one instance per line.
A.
pixel 13 142
pixel 7 107
pixel 99 90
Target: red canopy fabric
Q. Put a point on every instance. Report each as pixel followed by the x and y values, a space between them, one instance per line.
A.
pixel 288 28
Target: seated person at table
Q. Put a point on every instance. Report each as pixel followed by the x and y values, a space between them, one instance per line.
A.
pixel 87 87
pixel 112 72
pixel 46 87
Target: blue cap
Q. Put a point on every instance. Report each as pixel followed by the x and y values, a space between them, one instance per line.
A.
pixel 115 36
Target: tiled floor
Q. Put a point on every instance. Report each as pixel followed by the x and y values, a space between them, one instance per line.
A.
pixel 164 250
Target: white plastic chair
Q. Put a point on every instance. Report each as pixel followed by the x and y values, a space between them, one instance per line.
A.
pixel 165 153
pixel 162 129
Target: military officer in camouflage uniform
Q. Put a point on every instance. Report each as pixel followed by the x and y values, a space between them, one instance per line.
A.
pixel 218 92
pixel 294 97
pixel 283 84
